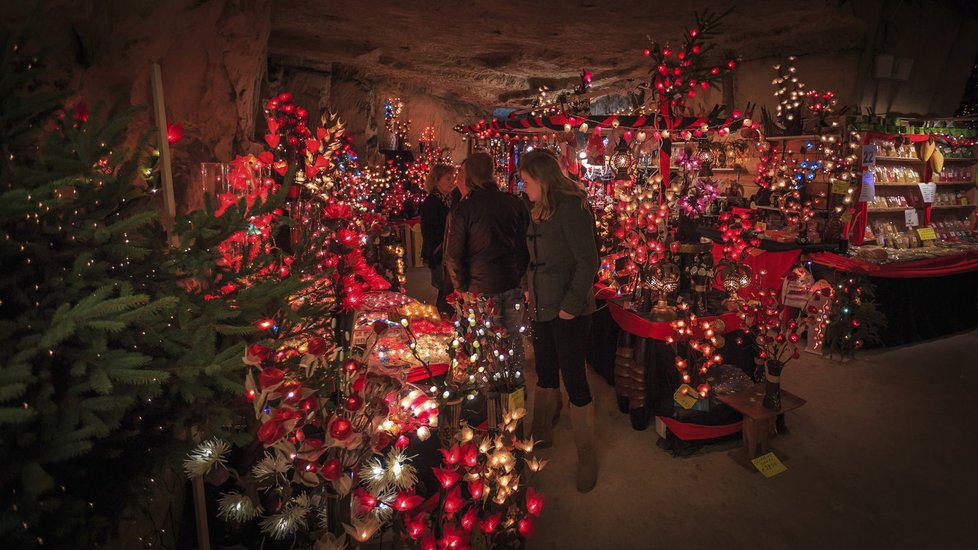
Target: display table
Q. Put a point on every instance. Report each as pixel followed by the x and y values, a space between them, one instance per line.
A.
pixel 645 378
pixel 758 420
pixel 921 299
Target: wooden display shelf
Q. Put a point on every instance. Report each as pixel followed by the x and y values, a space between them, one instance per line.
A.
pixel 952 206
pixel 916 183
pixel 890 209
pixel 804 136
pixel 900 159
pixel 960 159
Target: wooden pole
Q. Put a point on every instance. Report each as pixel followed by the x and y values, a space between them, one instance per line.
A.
pixel 169 216
pixel 166 170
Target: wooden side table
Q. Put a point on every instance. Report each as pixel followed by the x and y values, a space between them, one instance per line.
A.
pixel 758 420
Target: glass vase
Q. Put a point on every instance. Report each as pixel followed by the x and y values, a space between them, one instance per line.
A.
pixel 772 385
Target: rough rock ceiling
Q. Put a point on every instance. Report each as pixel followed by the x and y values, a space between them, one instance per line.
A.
pixel 488 53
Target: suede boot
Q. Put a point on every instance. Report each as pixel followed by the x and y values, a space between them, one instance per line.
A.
pixel 582 420
pixel 545 404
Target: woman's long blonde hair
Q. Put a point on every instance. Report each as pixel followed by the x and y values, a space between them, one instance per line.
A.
pixel 542 166
pixel 436 173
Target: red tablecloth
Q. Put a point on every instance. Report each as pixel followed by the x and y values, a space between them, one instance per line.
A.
pixel 418 374
pixel 642 327
pixel 693 432
pixel 933 267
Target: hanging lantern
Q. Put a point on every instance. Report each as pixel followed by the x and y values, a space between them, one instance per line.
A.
pixel 621 161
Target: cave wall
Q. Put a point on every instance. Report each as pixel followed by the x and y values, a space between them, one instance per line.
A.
pixel 213 57
pixel 359 101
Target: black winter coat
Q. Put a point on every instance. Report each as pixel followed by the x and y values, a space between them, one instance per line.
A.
pixel 434 214
pixel 485 243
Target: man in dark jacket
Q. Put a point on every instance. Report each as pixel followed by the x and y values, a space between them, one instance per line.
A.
pixel 485 244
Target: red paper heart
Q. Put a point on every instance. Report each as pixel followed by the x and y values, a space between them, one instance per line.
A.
pixel 272 125
pixel 272 140
pixel 321 133
pixel 281 167
pixel 311 172
pixel 312 145
pixel 321 162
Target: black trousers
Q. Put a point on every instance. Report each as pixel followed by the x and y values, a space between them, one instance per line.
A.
pixel 438 281
pixel 560 347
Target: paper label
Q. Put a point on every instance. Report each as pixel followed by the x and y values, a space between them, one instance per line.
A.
pixel 840 187
pixel 910 217
pixel 516 399
pixel 927 234
pixel 927 190
pixel 846 217
pixel 685 399
pixel 769 465
pixel 869 155
pixel 868 191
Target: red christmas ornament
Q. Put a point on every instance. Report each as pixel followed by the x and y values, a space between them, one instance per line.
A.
pixel 317 346
pixel 353 403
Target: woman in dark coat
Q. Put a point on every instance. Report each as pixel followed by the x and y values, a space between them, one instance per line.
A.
pixel 563 263
pixel 442 196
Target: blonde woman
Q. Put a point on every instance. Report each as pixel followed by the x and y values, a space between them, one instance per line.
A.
pixel 442 196
pixel 563 263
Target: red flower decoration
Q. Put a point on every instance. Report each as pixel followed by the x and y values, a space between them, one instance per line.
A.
pixel 454 501
pixel 470 455
pixel 468 520
pixel 270 376
pixel 407 501
pixel 174 132
pixel 451 456
pixel 489 524
pixel 332 469
pixel 255 354
pixel 339 211
pixel 534 502
pixel 416 525
pixel 447 478
pixel 270 432
pixel 476 488
pixel 340 428
pixel 347 237
pixel 317 346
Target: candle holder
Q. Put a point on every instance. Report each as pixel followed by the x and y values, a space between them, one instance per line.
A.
pixel 734 276
pixel 664 280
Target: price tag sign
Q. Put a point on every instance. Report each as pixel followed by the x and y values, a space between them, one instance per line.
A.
pixel 927 190
pixel 927 234
pixel 868 191
pixel 769 465
pixel 910 217
pixel 847 217
pixel 840 187
pixel 684 396
pixel 869 155
pixel 516 400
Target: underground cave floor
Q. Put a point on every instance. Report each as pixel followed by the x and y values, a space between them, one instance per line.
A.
pixel 883 455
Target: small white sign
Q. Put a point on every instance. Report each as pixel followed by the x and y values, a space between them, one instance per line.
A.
pixel 910 217
pixel 869 155
pixel 927 190
pixel 868 190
